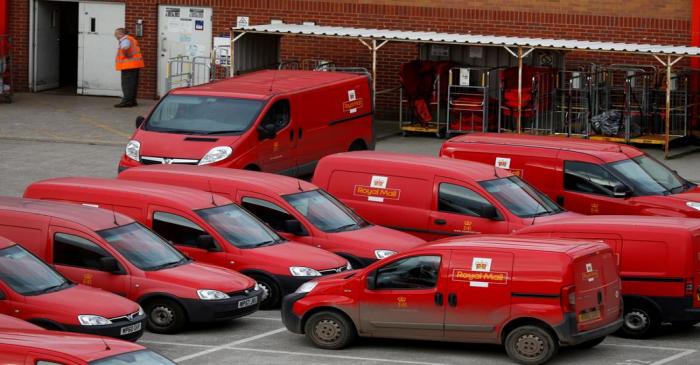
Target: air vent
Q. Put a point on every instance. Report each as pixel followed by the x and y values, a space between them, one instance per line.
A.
pixel 201 139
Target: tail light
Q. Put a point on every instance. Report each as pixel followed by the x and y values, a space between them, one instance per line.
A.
pixel 689 286
pixel 568 298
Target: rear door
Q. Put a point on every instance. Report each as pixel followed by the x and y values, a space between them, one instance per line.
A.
pixel 478 294
pixel 598 300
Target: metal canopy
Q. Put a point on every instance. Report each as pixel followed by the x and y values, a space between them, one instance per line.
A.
pixel 470 39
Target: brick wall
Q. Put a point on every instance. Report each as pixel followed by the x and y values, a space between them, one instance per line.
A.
pixel 638 21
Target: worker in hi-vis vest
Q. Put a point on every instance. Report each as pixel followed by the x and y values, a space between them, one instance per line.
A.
pixel 129 61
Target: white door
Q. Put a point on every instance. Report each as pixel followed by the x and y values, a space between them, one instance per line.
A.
pixel 47 18
pixel 97 48
pixel 184 32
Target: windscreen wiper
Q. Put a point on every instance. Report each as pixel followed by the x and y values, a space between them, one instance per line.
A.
pixel 222 132
pixel 345 227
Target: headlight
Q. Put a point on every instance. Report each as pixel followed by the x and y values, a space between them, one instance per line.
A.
pixel 256 287
pixel 382 254
pixel 694 205
pixel 141 312
pixel 132 150
pixel 207 294
pixel 216 154
pixel 348 266
pixel 306 287
pixel 93 320
pixel 303 271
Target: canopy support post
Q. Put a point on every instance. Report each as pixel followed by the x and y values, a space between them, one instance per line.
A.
pixel 374 47
pixel 519 55
pixel 667 117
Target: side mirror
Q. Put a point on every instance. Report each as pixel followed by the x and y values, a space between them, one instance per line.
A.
pixel 621 191
pixel 206 242
pixel 489 211
pixel 294 227
pixel 2 295
pixel 109 264
pixel 139 121
pixel 266 131
pixel 372 280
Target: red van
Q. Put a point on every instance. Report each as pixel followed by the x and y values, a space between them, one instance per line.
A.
pixel 22 343
pixel 588 177
pixel 433 197
pixel 206 227
pixel 659 260
pixel 33 291
pixel 276 121
pixel 297 209
pixel 110 251
pixel 530 295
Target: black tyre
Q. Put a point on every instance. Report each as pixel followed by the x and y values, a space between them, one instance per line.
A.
pixel 531 345
pixel 165 316
pixel 271 292
pixel 330 330
pixel 640 321
pixel 357 146
pixel 590 343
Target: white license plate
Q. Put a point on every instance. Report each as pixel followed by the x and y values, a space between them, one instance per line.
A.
pixel 247 302
pixel 130 329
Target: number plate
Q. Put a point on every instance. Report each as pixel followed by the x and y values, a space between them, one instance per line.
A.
pixel 130 329
pixel 589 316
pixel 247 302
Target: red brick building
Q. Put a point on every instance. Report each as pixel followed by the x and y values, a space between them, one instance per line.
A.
pixel 633 21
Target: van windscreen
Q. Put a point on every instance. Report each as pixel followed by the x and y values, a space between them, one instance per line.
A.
pixel 646 176
pixel 26 274
pixel 324 211
pixel 520 198
pixel 142 247
pixel 239 227
pixel 203 115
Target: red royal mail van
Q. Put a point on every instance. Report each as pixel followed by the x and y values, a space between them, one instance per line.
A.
pixel 588 177
pixel 433 197
pixel 276 121
pixel 659 260
pixel 297 209
pixel 22 343
pixel 207 227
pixel 110 251
pixel 33 291
pixel 530 295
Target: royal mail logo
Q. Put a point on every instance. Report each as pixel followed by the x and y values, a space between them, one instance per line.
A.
pixel 481 264
pixel 480 276
pixel 351 106
pixel 370 192
pixel 402 302
pixel 379 182
pixel 503 162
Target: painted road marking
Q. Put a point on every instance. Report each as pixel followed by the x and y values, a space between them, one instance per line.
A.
pixel 674 357
pixel 666 360
pixel 234 343
pixel 335 356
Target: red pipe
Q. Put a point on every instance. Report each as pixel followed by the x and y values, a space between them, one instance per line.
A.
pixel 4 19
pixel 695 63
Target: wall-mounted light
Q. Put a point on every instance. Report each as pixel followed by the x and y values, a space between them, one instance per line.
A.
pixel 138 31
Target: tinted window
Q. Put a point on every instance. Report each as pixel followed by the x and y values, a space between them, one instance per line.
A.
pixel 26 274
pixel 203 115
pixel 142 247
pixel 176 229
pixel 588 178
pixel 324 211
pixel 647 176
pixel 520 198
pixel 417 272
pixel 76 251
pixel 269 213
pixel 239 227
pixel 278 115
pixel 458 199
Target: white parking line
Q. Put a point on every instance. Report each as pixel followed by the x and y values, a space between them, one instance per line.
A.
pixel 264 318
pixel 234 343
pixel 674 357
pixel 646 347
pixel 356 358
pixel 175 344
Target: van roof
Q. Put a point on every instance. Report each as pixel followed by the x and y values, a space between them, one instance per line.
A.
pixel 520 243
pixel 446 167
pixel 608 151
pixel 266 83
pixel 166 195
pixel 675 223
pixel 259 181
pixel 89 217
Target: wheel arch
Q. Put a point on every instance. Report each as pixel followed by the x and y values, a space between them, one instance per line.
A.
pixel 525 321
pixel 319 309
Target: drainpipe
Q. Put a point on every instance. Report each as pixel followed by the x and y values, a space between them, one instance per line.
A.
pixel 695 63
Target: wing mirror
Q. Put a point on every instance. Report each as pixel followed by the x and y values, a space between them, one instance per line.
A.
pixel 294 227
pixel 621 191
pixel 206 242
pixel 489 211
pixel 139 120
pixel 372 280
pixel 267 131
pixel 109 264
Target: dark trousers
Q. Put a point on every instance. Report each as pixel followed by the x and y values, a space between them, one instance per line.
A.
pixel 130 83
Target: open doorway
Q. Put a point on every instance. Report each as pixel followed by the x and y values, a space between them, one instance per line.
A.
pixel 68 51
pixel 55 46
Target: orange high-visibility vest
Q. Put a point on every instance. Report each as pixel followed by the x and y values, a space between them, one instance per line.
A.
pixel 131 58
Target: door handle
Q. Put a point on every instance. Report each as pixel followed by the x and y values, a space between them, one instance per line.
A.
pixel 560 200
pixel 452 299
pixel 291 134
pixel 438 298
pixel 299 133
pixel 440 222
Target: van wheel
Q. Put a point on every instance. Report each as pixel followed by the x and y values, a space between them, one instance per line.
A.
pixel 358 145
pixel 271 292
pixel 530 345
pixel 165 316
pixel 640 321
pixel 590 343
pixel 329 330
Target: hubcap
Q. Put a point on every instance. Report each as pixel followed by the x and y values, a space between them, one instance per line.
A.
pixel 265 290
pixel 162 316
pixel 327 330
pixel 637 320
pixel 530 346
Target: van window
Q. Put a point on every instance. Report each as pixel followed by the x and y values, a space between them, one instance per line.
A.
pixel 324 211
pixel 647 176
pixel 520 198
pixel 26 274
pixel 278 115
pixel 176 229
pixel 588 178
pixel 239 227
pixel 418 272
pixel 142 247
pixel 270 213
pixel 76 251
pixel 458 199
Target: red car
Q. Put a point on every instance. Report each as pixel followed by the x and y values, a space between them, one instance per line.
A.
pixel 206 227
pixel 22 343
pixel 433 197
pixel 111 251
pixel 277 121
pixel 33 291
pixel 531 295
pixel 587 177
pixel 296 209
pixel 659 260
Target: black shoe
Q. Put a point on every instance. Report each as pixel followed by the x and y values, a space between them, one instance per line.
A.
pixel 121 105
